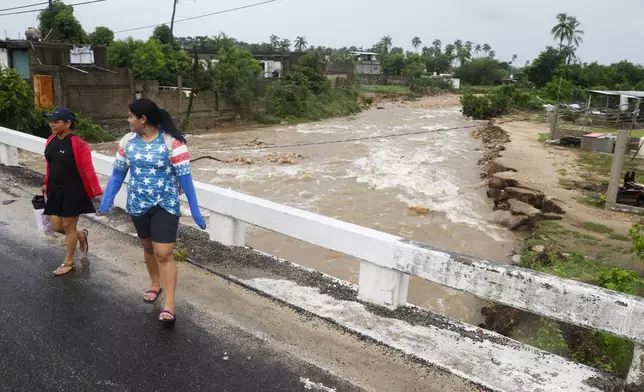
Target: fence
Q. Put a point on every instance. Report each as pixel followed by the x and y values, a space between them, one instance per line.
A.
pixel 387 261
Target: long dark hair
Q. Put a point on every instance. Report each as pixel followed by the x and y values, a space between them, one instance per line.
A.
pixel 156 116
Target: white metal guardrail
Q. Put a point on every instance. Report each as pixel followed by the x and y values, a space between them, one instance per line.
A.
pixel 387 261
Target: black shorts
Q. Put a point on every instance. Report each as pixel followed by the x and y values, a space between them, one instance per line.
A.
pixel 158 225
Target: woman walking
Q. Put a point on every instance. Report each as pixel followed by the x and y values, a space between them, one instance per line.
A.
pixel 156 155
pixel 70 183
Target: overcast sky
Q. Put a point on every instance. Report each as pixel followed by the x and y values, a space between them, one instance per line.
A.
pixel 613 28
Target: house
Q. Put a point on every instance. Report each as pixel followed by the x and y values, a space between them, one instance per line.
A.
pixel 366 63
pixel 15 54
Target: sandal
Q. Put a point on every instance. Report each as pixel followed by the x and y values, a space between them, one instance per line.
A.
pixel 156 293
pixel 167 321
pixel 69 268
pixel 83 243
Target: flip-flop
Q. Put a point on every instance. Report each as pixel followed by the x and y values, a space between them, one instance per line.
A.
pixel 157 293
pixel 167 321
pixel 69 266
pixel 85 242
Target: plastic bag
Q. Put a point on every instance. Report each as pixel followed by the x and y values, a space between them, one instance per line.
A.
pixel 43 222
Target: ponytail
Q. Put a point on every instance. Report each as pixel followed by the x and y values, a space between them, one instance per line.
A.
pixel 168 125
pixel 156 116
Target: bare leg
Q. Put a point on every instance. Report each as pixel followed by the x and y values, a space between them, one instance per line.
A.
pixel 71 237
pixel 168 272
pixel 153 269
pixel 57 224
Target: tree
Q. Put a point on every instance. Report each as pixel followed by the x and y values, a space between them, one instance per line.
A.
pixel 234 77
pixel 285 45
pixel 486 48
pixel 514 57
pixel 479 72
pixel 492 54
pixel 120 53
pixel 275 42
pixel 437 44
pixel 149 61
pixel 567 29
pixel 478 48
pixel 162 34
pixel 386 43
pixel 542 69
pixel 416 42
pixel 16 100
pixel 60 20
pixel 174 13
pixel 300 44
pixel 101 36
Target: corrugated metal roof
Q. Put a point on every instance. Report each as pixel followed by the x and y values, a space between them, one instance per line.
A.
pixel 632 94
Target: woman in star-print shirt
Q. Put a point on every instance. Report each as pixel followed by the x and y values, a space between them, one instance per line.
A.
pixel 157 158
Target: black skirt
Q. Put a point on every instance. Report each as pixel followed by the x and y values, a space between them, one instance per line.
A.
pixel 68 203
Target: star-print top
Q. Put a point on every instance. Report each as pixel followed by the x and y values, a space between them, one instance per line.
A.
pixel 154 168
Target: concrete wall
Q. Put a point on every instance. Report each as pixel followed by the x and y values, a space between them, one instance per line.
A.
pixel 384 80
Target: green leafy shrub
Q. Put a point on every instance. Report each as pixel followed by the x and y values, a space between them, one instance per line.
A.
pixel 16 100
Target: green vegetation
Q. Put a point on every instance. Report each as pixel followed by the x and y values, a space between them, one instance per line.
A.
pixel 597 228
pixel 596 349
pixel 498 102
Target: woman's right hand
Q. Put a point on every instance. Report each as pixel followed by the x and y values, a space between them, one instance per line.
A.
pixel 43 190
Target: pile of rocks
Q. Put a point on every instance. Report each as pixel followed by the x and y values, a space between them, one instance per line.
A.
pixel 516 206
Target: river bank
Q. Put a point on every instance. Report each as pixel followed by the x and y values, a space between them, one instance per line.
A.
pixel 587 243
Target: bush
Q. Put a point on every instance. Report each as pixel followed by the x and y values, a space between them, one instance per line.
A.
pixel 429 85
pixel 16 100
pixel 497 102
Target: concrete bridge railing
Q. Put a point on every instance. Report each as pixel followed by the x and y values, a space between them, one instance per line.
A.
pixel 387 261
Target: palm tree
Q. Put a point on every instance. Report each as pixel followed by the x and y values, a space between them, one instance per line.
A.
pixel 416 42
pixel 449 50
pixel 275 41
pixel 285 45
pixel 301 44
pixel 492 54
pixel 437 43
pixel 478 49
pixel 458 44
pixel 486 48
pixel 386 42
pixel 567 29
pixel 174 13
pixel 561 30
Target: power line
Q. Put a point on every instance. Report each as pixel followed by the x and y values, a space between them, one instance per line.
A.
pixel 43 9
pixel 23 6
pixel 197 17
pixel 386 136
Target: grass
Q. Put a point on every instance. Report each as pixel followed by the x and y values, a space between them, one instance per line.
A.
pixel 477 89
pixel 543 137
pixel 549 233
pixel 619 237
pixel 376 89
pixel 597 228
pixel 596 164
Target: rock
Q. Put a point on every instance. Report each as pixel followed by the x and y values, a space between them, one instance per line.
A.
pixel 496 183
pixel 494 193
pixel 551 216
pixel 509 178
pixel 550 205
pixel 502 206
pixel 538 249
pixel 494 167
pixel 516 259
pixel 507 220
pixel 518 207
pixel 529 196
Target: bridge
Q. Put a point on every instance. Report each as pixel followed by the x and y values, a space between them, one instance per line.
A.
pixel 373 308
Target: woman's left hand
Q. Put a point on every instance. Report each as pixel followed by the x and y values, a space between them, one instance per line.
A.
pixel 201 222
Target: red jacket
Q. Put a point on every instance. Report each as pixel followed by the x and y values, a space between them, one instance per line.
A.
pixel 83 158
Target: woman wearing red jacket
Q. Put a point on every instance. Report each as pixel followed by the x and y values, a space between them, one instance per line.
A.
pixel 70 183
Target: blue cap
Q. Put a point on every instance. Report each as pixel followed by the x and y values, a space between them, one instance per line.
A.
pixel 61 114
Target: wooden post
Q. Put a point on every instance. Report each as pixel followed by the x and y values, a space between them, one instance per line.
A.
pixel 180 89
pixel 616 170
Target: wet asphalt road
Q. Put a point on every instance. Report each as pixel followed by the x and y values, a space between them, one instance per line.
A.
pixel 77 333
